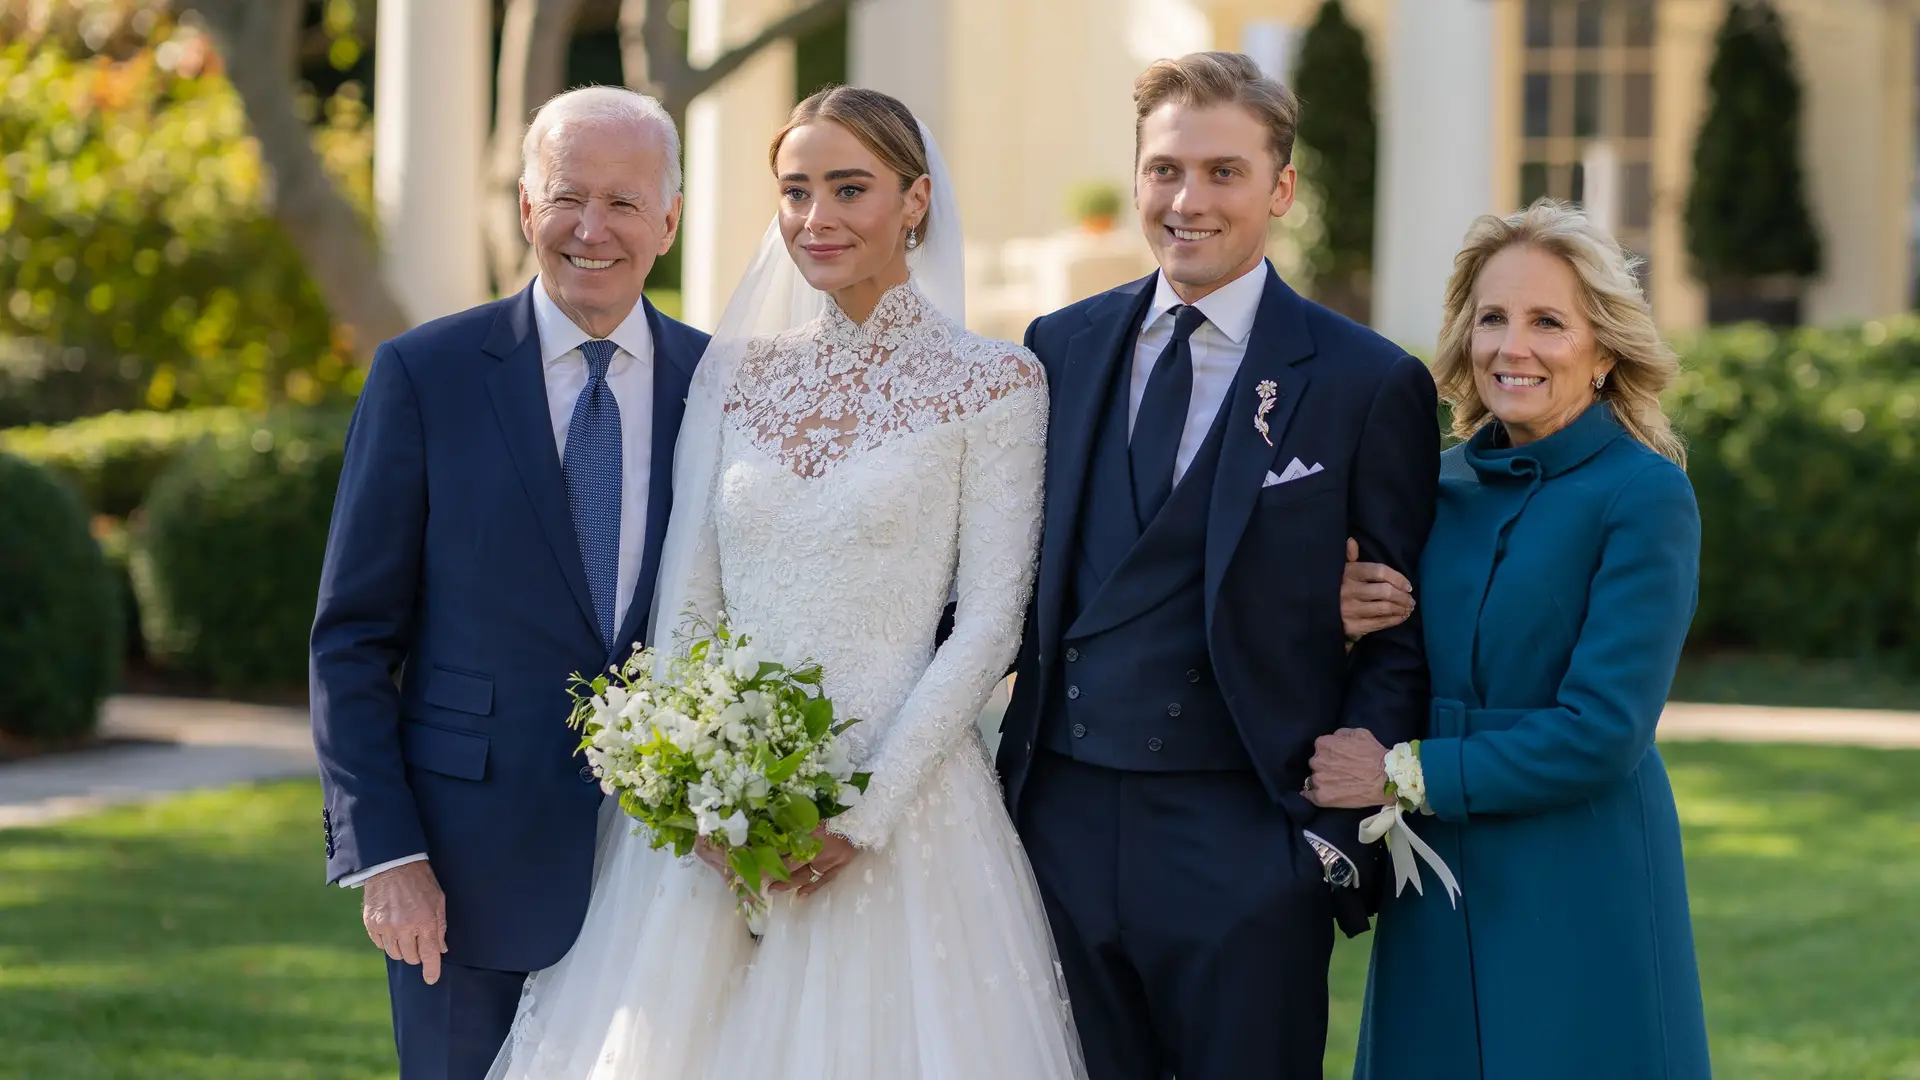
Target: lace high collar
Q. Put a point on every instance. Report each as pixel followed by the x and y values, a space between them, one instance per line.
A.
pixel 898 307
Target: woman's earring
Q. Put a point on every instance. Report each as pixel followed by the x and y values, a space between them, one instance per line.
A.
pixel 913 239
pixel 1600 381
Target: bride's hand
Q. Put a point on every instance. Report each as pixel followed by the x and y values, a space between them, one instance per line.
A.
pixel 835 854
pixel 713 857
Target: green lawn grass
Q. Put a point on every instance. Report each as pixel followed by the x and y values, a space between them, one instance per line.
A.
pixel 1753 679
pixel 193 940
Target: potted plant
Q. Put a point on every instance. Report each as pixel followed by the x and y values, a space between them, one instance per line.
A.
pixel 1096 205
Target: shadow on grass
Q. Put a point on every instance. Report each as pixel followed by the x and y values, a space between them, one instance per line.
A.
pixel 190 939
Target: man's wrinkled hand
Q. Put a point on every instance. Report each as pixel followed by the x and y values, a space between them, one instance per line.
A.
pixel 1349 770
pixel 406 916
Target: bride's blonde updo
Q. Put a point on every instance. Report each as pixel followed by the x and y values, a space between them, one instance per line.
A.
pixel 882 123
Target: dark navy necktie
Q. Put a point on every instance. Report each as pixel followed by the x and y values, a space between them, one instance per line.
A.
pixel 592 467
pixel 1162 418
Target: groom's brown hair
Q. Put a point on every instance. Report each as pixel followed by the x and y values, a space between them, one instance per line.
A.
pixel 1219 78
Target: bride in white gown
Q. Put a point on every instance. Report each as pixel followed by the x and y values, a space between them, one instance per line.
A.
pixel 851 458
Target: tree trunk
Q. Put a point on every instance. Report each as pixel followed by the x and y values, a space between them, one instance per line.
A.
pixel 258 41
pixel 653 54
pixel 533 67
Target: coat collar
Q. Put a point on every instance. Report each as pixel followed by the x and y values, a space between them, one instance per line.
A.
pixel 1560 452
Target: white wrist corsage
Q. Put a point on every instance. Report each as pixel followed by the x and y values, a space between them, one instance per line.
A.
pixel 1406 780
pixel 1407 794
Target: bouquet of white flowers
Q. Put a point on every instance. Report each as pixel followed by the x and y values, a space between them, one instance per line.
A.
pixel 729 747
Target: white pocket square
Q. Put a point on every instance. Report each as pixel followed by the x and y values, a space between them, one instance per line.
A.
pixel 1292 472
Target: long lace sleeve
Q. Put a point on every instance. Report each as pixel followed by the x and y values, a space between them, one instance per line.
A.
pixel 1000 506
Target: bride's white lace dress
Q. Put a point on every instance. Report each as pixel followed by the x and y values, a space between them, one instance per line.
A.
pixel 866 473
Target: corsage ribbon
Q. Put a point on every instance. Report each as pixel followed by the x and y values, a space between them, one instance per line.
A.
pixel 1403 844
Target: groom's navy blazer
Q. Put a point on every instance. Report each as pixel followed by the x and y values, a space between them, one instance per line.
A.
pixel 1346 399
pixel 453 606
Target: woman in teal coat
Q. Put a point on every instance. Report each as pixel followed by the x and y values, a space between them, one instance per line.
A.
pixel 1556 589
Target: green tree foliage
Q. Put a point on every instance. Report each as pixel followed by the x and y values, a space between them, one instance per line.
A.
pixel 137 265
pixel 1339 134
pixel 1746 213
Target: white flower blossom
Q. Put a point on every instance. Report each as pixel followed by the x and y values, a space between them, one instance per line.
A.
pixel 736 826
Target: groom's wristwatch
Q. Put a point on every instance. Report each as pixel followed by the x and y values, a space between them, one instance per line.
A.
pixel 1340 871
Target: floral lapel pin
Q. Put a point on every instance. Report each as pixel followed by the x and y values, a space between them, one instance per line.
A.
pixel 1269 392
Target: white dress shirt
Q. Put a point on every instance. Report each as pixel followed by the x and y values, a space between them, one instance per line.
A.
pixel 630 377
pixel 1218 346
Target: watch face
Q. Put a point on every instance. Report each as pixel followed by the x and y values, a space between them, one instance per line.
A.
pixel 1338 870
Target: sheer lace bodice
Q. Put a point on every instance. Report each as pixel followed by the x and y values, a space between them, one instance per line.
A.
pixel 867 473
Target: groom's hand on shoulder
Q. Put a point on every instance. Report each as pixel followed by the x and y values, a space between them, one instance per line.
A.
pixel 406 916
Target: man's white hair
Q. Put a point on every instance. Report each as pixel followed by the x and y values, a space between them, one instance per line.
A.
pixel 592 105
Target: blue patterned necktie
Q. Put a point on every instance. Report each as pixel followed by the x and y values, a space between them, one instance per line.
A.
pixel 592 467
pixel 1162 418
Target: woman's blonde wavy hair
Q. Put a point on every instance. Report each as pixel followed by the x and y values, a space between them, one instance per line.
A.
pixel 1643 365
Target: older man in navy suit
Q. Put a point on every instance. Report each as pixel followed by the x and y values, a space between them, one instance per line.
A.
pixel 498 527
pixel 1215 439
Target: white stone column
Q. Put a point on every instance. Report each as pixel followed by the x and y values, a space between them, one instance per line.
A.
pixel 429 137
pixel 900 47
pixel 1437 157
pixel 730 196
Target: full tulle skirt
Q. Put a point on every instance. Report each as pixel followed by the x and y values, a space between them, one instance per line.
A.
pixel 929 959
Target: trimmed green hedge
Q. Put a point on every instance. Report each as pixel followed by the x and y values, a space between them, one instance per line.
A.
pixel 226 559
pixel 1804 450
pixel 115 458
pixel 60 637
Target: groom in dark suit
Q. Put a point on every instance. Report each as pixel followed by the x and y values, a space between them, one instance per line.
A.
pixel 1214 441
pixel 498 526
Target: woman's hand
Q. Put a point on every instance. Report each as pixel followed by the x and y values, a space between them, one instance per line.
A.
pixel 835 854
pixel 713 857
pixel 1349 771
pixel 1373 597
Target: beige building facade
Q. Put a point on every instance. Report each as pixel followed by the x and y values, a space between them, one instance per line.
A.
pixel 1600 100
pixel 1484 104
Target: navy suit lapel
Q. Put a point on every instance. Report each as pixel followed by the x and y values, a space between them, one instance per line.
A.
pixel 1151 568
pixel 519 390
pixel 673 363
pixel 1094 356
pixel 1278 342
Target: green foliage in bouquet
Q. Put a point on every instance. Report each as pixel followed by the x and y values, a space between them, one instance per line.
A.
pixel 114 459
pixel 138 264
pixel 227 558
pixel 1804 452
pixel 60 636
pixel 729 747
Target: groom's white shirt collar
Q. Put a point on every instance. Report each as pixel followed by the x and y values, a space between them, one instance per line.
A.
pixel 560 335
pixel 1230 309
